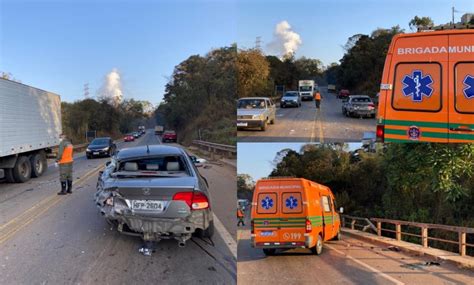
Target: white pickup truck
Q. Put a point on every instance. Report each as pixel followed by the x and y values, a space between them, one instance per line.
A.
pixel 30 125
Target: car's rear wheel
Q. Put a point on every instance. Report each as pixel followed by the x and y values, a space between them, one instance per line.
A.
pixel 207 233
pixel 38 164
pixel 269 251
pixel 22 169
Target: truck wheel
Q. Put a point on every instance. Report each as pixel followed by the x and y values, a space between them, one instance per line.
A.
pixel 22 169
pixel 9 175
pixel 38 164
pixel 269 251
pixel 318 248
pixel 264 126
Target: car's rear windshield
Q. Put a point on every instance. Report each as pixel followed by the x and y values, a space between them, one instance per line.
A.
pixel 251 104
pixel 361 100
pixel 292 94
pixel 160 166
pixel 100 141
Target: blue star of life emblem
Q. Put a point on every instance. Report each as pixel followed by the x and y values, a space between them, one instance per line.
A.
pixel 267 203
pixel 291 202
pixel 469 83
pixel 417 85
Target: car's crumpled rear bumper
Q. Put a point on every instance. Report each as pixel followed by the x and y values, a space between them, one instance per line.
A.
pixel 149 226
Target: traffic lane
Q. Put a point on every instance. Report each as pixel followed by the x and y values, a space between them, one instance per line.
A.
pixel 291 124
pixel 16 198
pixel 336 126
pixel 308 124
pixel 349 261
pixel 72 243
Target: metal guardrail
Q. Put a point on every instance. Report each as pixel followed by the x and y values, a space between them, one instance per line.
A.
pixel 214 148
pixel 423 228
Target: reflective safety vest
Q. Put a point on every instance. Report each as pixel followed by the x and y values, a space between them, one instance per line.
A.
pixel 240 214
pixel 67 154
pixel 317 96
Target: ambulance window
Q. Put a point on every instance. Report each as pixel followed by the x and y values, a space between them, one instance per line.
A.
pixel 417 87
pixel 292 203
pixel 464 87
pixel 267 203
pixel 326 204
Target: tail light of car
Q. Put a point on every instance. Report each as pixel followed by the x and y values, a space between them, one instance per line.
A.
pixel 195 200
pixel 309 226
pixel 372 105
pixel 380 133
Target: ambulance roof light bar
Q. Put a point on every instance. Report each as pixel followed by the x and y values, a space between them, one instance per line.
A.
pixel 277 177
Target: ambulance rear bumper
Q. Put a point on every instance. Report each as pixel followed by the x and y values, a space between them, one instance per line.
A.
pixel 308 243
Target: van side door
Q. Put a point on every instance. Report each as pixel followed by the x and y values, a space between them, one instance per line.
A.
pixel 461 87
pixel 328 217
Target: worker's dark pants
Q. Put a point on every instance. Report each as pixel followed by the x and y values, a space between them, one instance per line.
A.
pixel 65 172
pixel 241 221
pixel 318 103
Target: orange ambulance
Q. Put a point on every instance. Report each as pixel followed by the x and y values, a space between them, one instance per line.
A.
pixel 293 213
pixel 427 88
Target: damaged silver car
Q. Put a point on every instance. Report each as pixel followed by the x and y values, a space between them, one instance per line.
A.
pixel 155 192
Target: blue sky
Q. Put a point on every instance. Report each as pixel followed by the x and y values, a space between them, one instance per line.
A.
pixel 325 25
pixel 256 159
pixel 60 45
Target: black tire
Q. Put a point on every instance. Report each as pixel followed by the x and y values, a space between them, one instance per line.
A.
pixel 9 175
pixel 22 169
pixel 207 233
pixel 269 251
pixel 318 248
pixel 272 122
pixel 38 164
pixel 283 106
pixel 338 236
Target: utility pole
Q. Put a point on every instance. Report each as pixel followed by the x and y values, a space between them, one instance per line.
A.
pixel 452 12
pixel 86 91
pixel 258 43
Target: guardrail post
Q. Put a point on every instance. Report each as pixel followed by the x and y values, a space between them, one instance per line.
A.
pixel 398 231
pixel 379 228
pixel 424 236
pixel 353 224
pixel 462 243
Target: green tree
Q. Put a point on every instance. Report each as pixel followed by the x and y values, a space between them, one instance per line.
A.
pixel 420 22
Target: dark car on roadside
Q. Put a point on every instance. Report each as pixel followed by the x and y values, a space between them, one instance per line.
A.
pixel 155 192
pixel 104 146
pixel 358 106
pixel 136 135
pixel 169 136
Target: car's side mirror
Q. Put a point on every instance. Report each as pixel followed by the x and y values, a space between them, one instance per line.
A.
pixel 341 210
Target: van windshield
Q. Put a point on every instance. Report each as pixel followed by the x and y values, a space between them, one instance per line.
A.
pixel 306 88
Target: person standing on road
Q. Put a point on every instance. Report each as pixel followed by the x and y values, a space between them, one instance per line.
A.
pixel 240 216
pixel 317 99
pixel 65 161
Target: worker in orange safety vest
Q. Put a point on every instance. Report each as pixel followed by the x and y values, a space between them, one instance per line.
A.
pixel 65 161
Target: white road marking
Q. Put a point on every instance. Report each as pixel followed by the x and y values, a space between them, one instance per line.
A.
pixel 226 236
pixel 378 272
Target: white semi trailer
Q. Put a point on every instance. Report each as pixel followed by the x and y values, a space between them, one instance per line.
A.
pixel 30 125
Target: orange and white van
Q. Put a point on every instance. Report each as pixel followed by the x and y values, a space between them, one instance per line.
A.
pixel 293 213
pixel 427 88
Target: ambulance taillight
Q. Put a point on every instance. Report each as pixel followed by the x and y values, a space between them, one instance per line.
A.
pixel 251 227
pixel 309 226
pixel 380 133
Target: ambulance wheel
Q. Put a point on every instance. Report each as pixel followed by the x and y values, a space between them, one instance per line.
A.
pixel 269 251
pixel 318 248
pixel 338 236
